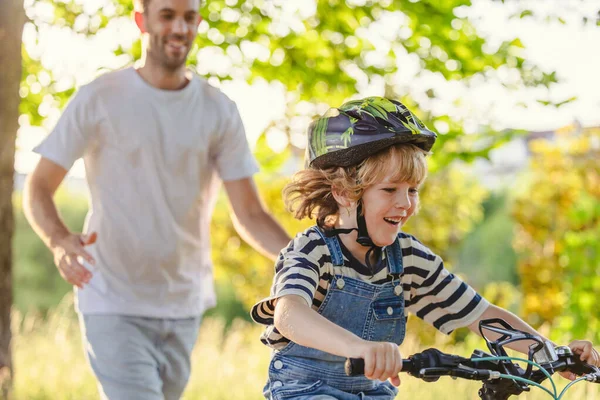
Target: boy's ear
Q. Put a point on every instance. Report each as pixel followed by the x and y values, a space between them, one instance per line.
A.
pixel 340 197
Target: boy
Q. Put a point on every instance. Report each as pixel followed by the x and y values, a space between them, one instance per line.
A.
pixel 343 287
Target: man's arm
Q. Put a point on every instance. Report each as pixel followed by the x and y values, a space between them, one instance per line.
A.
pixel 251 219
pixel 40 210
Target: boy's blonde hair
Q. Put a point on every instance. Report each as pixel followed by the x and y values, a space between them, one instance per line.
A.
pixel 309 194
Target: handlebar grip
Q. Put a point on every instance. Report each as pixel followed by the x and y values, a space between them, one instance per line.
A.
pixel 581 368
pixel 354 366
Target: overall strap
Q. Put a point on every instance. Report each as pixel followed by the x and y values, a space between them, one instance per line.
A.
pixel 394 256
pixel 337 259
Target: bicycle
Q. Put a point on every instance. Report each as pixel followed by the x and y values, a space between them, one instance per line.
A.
pixel 501 377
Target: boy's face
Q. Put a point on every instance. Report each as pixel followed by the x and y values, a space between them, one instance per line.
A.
pixel 387 206
pixel 171 26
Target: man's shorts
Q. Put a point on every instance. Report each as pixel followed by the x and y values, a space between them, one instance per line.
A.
pixel 137 357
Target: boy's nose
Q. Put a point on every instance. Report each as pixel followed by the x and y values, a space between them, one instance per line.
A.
pixel 403 201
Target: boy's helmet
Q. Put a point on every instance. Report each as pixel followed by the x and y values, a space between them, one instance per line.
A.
pixel 347 135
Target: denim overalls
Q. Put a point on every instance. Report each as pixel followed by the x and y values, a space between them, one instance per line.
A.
pixel 372 312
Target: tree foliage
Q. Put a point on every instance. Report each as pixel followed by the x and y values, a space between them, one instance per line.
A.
pixel 320 50
pixel 323 52
pixel 587 12
pixel 558 226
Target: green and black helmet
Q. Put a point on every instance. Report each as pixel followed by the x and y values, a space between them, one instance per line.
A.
pixel 347 135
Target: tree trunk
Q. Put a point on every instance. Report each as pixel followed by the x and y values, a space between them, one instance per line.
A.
pixel 12 17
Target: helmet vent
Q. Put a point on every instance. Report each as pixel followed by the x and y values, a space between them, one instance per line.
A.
pixel 364 127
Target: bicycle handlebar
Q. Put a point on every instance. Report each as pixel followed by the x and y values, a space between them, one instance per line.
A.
pixel 502 378
pixel 426 360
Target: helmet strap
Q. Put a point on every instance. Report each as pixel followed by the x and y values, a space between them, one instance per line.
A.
pixel 335 232
pixel 362 237
pixel 363 234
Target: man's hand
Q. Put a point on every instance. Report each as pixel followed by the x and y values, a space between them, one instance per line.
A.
pixel 586 352
pixel 66 250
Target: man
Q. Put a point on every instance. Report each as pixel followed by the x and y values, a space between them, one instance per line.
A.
pixel 153 141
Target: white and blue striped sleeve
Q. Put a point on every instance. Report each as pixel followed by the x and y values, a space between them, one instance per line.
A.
pixel 439 297
pixel 297 275
pixel 297 272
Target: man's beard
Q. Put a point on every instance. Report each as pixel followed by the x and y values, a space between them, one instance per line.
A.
pixel 160 55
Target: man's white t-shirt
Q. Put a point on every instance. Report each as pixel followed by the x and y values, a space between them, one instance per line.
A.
pixel 154 160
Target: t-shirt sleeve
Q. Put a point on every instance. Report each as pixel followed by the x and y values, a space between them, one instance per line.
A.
pixel 439 297
pixel 295 273
pixel 72 133
pixel 232 156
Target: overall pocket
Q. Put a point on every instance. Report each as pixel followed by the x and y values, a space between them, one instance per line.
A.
pixel 389 322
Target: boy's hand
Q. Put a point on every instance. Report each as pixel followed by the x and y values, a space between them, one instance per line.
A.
pixel 586 352
pixel 382 361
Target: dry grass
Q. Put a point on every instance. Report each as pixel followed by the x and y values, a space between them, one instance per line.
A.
pixel 50 364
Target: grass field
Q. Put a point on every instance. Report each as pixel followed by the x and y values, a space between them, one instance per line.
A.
pixel 50 364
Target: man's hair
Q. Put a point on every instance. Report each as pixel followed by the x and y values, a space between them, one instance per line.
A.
pixel 140 5
pixel 309 194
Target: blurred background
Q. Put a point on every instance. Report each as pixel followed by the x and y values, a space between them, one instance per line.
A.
pixel 512 202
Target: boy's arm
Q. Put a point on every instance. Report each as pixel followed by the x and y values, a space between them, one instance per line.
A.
pixel 295 320
pixel 293 317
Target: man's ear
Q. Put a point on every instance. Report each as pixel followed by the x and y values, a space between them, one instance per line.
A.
pixel 140 21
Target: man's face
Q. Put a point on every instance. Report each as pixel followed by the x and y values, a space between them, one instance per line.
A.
pixel 171 26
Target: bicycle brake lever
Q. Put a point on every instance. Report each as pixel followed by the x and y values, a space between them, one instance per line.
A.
pixel 464 372
pixel 433 358
pixel 431 374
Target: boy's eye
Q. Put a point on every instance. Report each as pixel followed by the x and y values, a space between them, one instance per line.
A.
pixel 414 190
pixel 389 190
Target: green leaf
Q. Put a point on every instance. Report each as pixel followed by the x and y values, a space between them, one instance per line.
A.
pixel 526 13
pixel 567 101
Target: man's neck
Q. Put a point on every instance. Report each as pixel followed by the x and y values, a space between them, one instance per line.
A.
pixel 162 79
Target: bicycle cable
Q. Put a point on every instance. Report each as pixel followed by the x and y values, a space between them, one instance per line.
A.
pixel 562 393
pixel 545 372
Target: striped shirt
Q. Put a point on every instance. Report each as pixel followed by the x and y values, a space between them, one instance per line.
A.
pixel 431 292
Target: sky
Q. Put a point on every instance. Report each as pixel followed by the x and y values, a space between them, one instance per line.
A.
pixel 570 49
